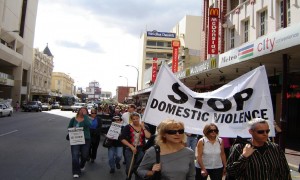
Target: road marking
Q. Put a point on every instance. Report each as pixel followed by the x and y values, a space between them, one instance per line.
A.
pixel 8 133
pixel 51 119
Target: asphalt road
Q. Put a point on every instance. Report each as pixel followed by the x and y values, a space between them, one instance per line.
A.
pixel 33 147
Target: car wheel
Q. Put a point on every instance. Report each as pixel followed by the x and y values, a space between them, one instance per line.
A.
pixel 10 113
pixel 1 114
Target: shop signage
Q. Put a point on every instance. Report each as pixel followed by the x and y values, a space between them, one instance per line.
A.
pixel 175 46
pixel 213 31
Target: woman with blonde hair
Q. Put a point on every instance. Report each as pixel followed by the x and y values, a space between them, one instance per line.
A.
pixel 210 154
pixel 176 160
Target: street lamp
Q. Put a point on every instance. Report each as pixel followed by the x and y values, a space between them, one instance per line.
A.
pixel 137 80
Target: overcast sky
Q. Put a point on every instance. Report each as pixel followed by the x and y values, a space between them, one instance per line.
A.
pixel 95 39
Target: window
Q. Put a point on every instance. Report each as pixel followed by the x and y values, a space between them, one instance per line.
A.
pixel 246 31
pixel 232 38
pixel 233 4
pixel 263 23
pixel 288 12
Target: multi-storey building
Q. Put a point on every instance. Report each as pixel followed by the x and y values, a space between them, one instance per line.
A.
pixel 62 83
pixel 42 69
pixel 17 24
pixel 155 44
pixel 257 32
pixel 93 92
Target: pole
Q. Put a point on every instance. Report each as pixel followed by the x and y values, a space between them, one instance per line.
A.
pixel 138 74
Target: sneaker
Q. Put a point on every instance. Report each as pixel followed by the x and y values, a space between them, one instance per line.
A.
pixel 118 165
pixel 82 169
pixel 75 176
pixel 112 171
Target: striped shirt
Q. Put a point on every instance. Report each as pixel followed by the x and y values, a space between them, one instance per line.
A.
pixel 270 165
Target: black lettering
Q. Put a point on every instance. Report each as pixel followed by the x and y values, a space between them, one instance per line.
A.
pixel 217 117
pixel 183 97
pixel 264 114
pixel 162 106
pixel 199 116
pixel 228 118
pixel 204 118
pixel 241 117
pixel 178 112
pixel 193 114
pixel 171 108
pixel 255 113
pixel 247 116
pixel 226 104
pixel 186 113
pixel 154 103
pixel 239 99
pixel 198 103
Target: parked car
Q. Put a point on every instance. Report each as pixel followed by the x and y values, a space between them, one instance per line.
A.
pixel 46 107
pixel 33 106
pixel 6 110
pixel 76 106
pixel 56 105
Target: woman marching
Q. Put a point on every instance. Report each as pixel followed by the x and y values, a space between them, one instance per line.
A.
pixel 176 160
pixel 210 154
pixel 95 130
pixel 133 136
pixel 80 152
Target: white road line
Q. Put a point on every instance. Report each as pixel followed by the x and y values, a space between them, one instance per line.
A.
pixel 51 119
pixel 8 133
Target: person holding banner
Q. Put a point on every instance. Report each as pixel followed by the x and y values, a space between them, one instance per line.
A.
pixel 95 130
pixel 176 160
pixel 210 154
pixel 133 136
pixel 115 151
pixel 260 158
pixel 80 152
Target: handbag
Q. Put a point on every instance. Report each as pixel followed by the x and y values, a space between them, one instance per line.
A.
pixel 107 143
pixel 157 174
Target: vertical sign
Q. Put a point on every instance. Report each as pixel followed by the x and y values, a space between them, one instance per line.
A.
pixel 154 70
pixel 175 45
pixel 213 30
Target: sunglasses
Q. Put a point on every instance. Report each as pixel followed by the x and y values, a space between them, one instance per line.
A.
pixel 263 131
pixel 179 131
pixel 213 130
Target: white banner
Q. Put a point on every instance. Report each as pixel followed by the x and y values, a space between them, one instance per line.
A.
pixel 76 136
pixel 114 130
pixel 230 107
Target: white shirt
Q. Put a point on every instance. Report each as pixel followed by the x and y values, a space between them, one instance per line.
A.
pixel 125 118
pixel 211 155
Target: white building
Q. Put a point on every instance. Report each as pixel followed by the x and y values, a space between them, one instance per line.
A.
pixel 17 26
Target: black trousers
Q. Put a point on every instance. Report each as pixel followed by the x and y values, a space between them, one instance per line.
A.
pixel 95 139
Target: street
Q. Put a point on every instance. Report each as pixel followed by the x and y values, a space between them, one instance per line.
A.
pixel 33 147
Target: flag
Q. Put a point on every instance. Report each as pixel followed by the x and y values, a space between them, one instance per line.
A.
pixel 247 51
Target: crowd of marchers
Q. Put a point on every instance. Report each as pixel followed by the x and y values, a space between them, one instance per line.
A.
pixel 167 152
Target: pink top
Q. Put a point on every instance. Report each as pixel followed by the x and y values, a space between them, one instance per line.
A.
pixel 226 142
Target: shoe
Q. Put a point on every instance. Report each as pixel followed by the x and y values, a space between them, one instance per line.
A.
pixel 92 160
pixel 82 169
pixel 75 176
pixel 112 171
pixel 118 165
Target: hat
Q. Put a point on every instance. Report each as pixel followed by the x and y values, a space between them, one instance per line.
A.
pixel 116 117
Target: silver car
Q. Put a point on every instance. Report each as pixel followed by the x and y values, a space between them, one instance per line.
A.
pixel 6 110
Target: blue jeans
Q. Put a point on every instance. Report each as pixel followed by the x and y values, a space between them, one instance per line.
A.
pixel 137 159
pixel 114 156
pixel 80 154
pixel 191 142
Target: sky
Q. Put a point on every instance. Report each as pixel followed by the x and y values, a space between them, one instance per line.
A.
pixel 95 39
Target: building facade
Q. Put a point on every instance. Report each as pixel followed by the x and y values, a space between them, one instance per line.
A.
pixel 158 45
pixel 42 69
pixel 62 84
pixel 17 26
pixel 93 91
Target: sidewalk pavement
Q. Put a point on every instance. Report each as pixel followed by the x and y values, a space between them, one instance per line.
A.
pixel 293 158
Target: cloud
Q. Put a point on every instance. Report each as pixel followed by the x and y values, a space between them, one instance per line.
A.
pixel 88 46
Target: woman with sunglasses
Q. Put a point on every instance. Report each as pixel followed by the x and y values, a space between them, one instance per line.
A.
pixel 176 160
pixel 133 136
pixel 80 152
pixel 95 130
pixel 210 154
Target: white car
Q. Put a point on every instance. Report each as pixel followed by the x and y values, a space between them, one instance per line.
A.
pixel 6 110
pixel 76 106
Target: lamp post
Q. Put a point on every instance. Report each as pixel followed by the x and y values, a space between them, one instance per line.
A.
pixel 138 72
pixel 126 86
